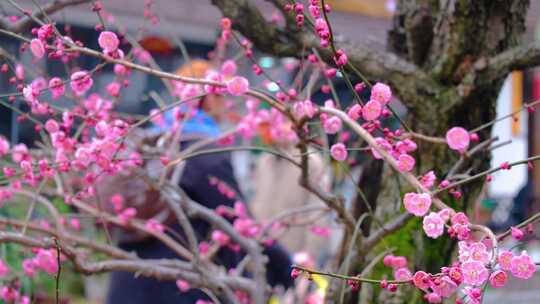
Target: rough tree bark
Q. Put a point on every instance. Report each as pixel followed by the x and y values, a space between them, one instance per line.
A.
pixel 446 61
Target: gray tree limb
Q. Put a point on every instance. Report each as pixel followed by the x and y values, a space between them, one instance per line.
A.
pixel 516 58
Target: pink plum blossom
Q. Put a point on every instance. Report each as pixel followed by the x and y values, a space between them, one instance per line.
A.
pixel 113 89
pixel 445 214
pixel 399 262
pixel 457 139
pixel 433 297
pixel 46 260
pixel 52 126
pixel 228 69
pixel 56 87
pixel 304 108
pixel 246 227
pixel 355 112
pixel 522 266
pixel 405 146
pixel 382 144
pixel 204 247
pixel 31 94
pixel 421 280
pixel 121 70
pixel 183 285
pixel 428 179
pixel 433 225
pixel 405 162
pixel 517 233
pixel 505 259
pixel 237 86
pixel 126 215
pixel 108 41
pixel 330 73
pixel 402 274
pixel 28 267
pixel 9 294
pixel 455 274
pixel 445 287
pixel 417 204
pixel 459 218
pixel 464 251
pixel 81 82
pixel 478 252
pixel 339 152
pixel 321 231
pixel 19 153
pixel 463 232
pixel 19 71
pixel 75 224
pixel 4 146
pixel 498 279
pixel 154 226
pixel 24 300
pixel 332 125
pixel 387 260
pixel 309 108
pixel 372 110
pixel 295 273
pixel 220 237
pixel 474 273
pixel 381 93
pixel 37 48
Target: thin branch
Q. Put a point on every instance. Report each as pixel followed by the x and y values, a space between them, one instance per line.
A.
pixel 28 21
pixel 487 172
pixel 334 202
pixel 468 154
pixel 389 227
pixel 250 246
pixel 109 250
pixel 526 222
pixel 345 277
pixel 431 139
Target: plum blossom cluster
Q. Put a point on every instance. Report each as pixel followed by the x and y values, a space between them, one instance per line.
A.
pixel 315 11
pixel 45 38
pixel 88 140
pixel 45 260
pixel 475 266
pixel 471 272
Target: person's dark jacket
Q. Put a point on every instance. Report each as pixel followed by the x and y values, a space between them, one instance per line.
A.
pixel 126 288
pixel 520 208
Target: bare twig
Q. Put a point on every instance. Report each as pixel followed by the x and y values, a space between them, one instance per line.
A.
pixel 25 23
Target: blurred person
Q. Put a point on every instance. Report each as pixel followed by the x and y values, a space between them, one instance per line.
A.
pixel 277 189
pixel 196 182
pixel 521 205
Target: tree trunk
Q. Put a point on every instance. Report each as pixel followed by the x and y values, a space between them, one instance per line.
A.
pixel 498 26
